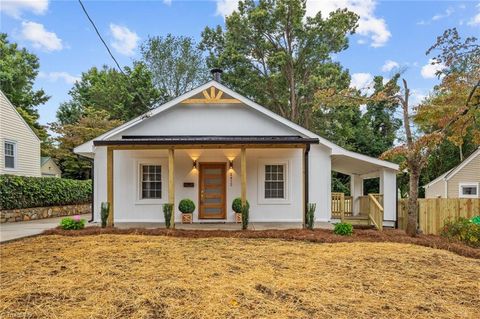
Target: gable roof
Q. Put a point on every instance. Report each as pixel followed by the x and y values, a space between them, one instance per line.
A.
pixel 44 159
pixel 452 172
pixel 87 148
pixel 18 114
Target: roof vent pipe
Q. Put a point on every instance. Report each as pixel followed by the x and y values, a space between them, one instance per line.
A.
pixel 216 73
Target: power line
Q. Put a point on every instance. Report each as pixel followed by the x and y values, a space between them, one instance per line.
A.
pixel 100 36
pixel 139 93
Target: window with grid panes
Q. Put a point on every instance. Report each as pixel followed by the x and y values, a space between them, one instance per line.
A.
pixel 9 154
pixel 274 181
pixel 151 181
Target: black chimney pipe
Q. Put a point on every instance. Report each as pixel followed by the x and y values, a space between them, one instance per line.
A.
pixel 216 74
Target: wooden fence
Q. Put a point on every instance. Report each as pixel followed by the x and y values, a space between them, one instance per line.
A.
pixel 432 212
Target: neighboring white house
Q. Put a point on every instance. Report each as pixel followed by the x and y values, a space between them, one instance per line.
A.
pixel 49 168
pixel 212 145
pixel 19 145
pixel 462 181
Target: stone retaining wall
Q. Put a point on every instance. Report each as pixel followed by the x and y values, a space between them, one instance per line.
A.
pixel 18 215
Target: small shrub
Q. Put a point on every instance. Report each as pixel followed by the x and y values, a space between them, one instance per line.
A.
pixel 237 205
pixel 343 229
pixel 310 217
pixel 75 223
pixel 462 229
pixel 245 216
pixel 104 212
pixel 186 206
pixel 167 213
pixel 475 220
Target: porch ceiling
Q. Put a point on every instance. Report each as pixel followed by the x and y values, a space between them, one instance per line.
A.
pixel 349 165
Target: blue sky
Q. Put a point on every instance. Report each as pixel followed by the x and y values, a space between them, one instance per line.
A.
pixel 391 35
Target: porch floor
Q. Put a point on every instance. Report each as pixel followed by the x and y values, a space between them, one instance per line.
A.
pixel 223 226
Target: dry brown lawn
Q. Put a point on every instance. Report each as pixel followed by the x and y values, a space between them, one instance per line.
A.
pixel 134 276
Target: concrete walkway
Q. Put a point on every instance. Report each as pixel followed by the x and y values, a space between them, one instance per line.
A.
pixel 11 231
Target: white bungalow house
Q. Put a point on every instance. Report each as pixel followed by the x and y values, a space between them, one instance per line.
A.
pixel 213 145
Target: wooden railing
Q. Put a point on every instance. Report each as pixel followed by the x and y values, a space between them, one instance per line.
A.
pixel 341 205
pixel 364 206
pixel 375 212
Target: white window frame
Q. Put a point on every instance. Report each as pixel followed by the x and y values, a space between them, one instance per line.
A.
pixel 261 182
pixel 162 162
pixel 15 156
pixel 473 184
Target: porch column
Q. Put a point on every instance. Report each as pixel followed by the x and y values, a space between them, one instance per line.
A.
pixel 171 183
pixel 388 187
pixel 243 165
pixel 356 190
pixel 110 185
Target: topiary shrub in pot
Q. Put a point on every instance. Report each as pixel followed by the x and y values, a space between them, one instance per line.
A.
pixel 237 208
pixel 186 206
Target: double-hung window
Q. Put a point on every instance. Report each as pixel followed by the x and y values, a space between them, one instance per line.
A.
pixel 151 182
pixel 275 181
pixel 10 154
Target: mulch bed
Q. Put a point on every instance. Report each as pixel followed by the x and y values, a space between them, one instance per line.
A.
pixel 317 235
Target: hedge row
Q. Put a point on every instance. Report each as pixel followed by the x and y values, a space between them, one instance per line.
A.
pixel 24 192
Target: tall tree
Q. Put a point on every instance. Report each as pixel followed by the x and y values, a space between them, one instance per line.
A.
pixel 454 107
pixel 122 95
pixel 176 63
pixel 92 123
pixel 273 53
pixel 18 70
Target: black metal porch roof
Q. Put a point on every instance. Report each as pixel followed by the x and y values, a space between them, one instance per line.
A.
pixel 206 139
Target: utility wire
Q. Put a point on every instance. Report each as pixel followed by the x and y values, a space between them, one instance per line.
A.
pixel 100 36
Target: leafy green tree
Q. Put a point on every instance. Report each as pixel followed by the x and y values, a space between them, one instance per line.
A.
pixel 273 53
pixel 92 123
pixel 122 95
pixel 177 64
pixel 18 70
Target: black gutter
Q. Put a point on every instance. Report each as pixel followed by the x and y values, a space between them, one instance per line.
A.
pixel 306 181
pixel 396 202
pixel 93 184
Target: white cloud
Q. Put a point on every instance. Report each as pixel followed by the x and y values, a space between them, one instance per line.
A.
pixel 389 66
pixel 167 2
pixel 368 26
pixel 448 12
pixel 125 41
pixel 40 38
pixel 55 76
pixel 430 69
pixel 362 82
pixel 475 20
pixel 226 7
pixel 417 96
pixel 14 8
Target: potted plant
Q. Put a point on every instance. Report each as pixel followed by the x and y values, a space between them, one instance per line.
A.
pixel 237 208
pixel 186 206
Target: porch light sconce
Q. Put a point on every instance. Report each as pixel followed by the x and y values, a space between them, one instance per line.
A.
pixel 194 164
pixel 230 165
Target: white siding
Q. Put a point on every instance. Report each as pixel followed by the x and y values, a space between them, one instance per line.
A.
pixel 470 173
pixel 436 189
pixel 50 169
pixel 209 119
pixel 13 128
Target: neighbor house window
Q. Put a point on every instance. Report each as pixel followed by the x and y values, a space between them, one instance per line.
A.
pixel 10 154
pixel 151 182
pixel 274 181
pixel 468 190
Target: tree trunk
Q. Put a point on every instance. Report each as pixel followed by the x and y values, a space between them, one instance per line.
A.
pixel 412 206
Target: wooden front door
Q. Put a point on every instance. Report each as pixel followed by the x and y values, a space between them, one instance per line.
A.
pixel 212 191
